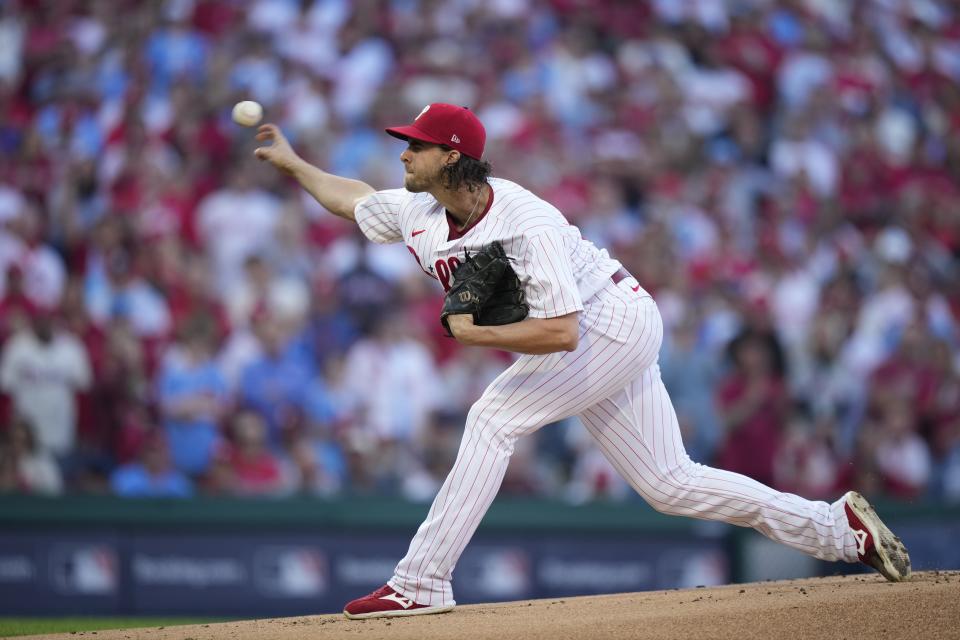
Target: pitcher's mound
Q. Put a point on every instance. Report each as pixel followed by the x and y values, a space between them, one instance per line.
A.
pixel 851 607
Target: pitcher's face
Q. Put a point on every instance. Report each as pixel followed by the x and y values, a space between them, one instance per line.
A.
pixel 422 163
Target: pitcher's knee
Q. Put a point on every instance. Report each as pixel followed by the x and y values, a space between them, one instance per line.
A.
pixel 671 504
pixel 676 487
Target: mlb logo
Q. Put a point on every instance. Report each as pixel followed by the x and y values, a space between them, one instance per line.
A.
pixel 291 572
pixel 85 570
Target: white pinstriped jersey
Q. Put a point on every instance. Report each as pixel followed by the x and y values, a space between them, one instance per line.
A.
pixel 559 270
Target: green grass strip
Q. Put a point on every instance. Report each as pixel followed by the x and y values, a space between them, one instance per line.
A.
pixel 10 627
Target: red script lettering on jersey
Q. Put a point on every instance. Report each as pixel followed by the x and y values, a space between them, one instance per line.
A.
pixel 417 232
pixel 442 270
pixel 445 269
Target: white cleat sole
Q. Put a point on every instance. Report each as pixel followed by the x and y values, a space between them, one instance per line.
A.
pixel 891 558
pixel 399 612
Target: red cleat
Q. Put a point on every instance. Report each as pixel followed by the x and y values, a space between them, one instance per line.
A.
pixel 385 603
pixel 877 546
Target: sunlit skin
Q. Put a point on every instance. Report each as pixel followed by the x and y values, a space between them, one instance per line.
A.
pixel 422 163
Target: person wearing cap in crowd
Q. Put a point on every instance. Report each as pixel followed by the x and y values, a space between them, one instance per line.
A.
pixel 589 348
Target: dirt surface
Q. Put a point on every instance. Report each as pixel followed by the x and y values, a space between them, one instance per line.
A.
pixel 927 606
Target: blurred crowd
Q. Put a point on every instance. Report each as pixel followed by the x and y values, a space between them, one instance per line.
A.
pixel 177 319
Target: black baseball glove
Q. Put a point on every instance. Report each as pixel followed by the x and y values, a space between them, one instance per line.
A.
pixel 486 287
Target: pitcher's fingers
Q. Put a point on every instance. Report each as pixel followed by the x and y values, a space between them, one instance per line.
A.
pixel 267 130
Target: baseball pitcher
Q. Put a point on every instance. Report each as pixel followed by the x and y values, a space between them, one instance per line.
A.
pixel 519 277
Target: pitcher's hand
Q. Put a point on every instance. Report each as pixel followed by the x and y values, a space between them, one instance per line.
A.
pixel 279 153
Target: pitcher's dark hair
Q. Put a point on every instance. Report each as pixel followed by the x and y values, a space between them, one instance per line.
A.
pixel 466 171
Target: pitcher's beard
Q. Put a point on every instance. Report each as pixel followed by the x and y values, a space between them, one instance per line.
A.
pixel 417 184
pixel 412 185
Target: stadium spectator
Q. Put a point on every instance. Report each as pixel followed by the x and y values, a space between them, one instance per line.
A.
pixel 690 373
pixel 896 451
pixel 807 462
pixel 254 469
pixel 276 379
pixel 404 375
pixel 235 222
pixel 192 395
pixel 33 469
pixel 115 291
pixel 318 464
pixel 753 407
pixel 16 308
pixel 42 268
pixel 152 474
pixel 261 288
pixel 42 368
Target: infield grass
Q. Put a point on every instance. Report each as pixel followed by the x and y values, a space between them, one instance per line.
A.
pixel 35 626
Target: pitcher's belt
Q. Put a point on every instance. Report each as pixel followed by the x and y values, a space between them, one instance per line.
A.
pixel 621 275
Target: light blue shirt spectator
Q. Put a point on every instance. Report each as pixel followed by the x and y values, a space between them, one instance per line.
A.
pixel 152 475
pixel 690 374
pixel 135 481
pixel 192 395
pixel 175 52
pixel 274 385
pixel 112 290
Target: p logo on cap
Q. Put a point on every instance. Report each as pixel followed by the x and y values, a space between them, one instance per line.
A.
pixel 446 124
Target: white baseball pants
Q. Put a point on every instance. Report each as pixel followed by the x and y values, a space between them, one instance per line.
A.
pixel 612 382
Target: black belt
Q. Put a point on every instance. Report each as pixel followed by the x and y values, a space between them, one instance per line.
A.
pixel 621 275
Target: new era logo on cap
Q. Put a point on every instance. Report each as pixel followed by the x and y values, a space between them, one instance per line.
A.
pixel 446 124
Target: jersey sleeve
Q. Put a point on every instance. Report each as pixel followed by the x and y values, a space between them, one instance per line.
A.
pixel 379 215
pixel 550 286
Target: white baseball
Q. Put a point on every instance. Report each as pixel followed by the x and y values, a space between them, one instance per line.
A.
pixel 247 113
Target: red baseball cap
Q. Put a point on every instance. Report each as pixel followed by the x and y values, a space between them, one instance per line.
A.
pixel 448 124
